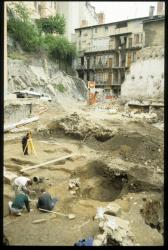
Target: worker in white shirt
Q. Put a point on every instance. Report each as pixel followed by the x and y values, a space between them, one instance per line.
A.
pixel 21 184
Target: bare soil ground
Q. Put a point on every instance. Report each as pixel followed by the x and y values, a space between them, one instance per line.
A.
pixel 135 143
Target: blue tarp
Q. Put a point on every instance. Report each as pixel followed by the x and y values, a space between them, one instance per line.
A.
pixel 84 242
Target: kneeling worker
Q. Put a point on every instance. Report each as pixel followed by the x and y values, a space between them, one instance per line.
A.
pixel 22 183
pixel 20 202
pixel 45 201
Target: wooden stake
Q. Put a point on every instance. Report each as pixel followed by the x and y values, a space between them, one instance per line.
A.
pixel 39 221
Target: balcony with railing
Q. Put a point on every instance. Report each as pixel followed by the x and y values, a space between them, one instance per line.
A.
pixel 98 48
pixel 80 66
pixel 103 83
pixel 116 83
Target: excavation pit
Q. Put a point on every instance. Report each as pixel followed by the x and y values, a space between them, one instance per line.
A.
pixel 96 185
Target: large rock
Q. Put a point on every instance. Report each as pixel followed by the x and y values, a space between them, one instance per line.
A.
pixel 113 209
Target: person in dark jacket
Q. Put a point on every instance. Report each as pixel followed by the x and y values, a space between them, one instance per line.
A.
pixel 45 201
pixel 20 202
pixel 24 144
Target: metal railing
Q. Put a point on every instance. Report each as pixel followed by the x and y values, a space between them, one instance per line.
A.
pixel 98 82
pixel 116 83
pixel 80 66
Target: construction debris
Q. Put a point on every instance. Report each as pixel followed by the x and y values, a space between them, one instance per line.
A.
pixel 79 127
pixel 115 231
pixel 148 117
pixel 112 209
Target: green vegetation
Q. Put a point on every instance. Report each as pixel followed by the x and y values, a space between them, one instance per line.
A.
pixel 29 35
pixel 16 55
pixel 25 33
pixel 61 88
pixel 60 48
pixel 52 24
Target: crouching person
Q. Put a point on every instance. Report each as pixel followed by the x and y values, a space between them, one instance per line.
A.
pixel 22 184
pixel 45 201
pixel 20 202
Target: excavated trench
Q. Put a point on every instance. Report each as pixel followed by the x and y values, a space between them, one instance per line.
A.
pixel 98 184
pixel 97 181
pixel 94 183
pixel 133 147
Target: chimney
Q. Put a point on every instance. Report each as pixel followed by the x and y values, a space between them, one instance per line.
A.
pixel 160 8
pixel 84 23
pixel 101 18
pixel 151 11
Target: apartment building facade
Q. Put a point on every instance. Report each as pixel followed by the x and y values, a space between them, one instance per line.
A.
pixel 106 51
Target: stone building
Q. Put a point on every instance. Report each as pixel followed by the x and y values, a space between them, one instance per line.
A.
pixel 106 51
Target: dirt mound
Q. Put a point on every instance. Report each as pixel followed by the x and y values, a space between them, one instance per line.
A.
pixel 79 127
pixel 132 147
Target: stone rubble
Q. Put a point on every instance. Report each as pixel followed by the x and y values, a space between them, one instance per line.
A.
pixel 150 118
pixel 79 126
pixel 115 230
pixel 74 185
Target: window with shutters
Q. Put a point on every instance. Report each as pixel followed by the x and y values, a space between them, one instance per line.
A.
pixel 137 38
pixel 106 28
pixel 130 42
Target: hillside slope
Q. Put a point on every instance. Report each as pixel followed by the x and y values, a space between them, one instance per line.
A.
pixel 22 75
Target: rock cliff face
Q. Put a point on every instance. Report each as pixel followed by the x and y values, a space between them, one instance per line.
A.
pixel 146 76
pixel 22 75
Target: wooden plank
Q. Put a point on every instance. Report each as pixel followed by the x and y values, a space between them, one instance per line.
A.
pixel 46 163
pixel 39 221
